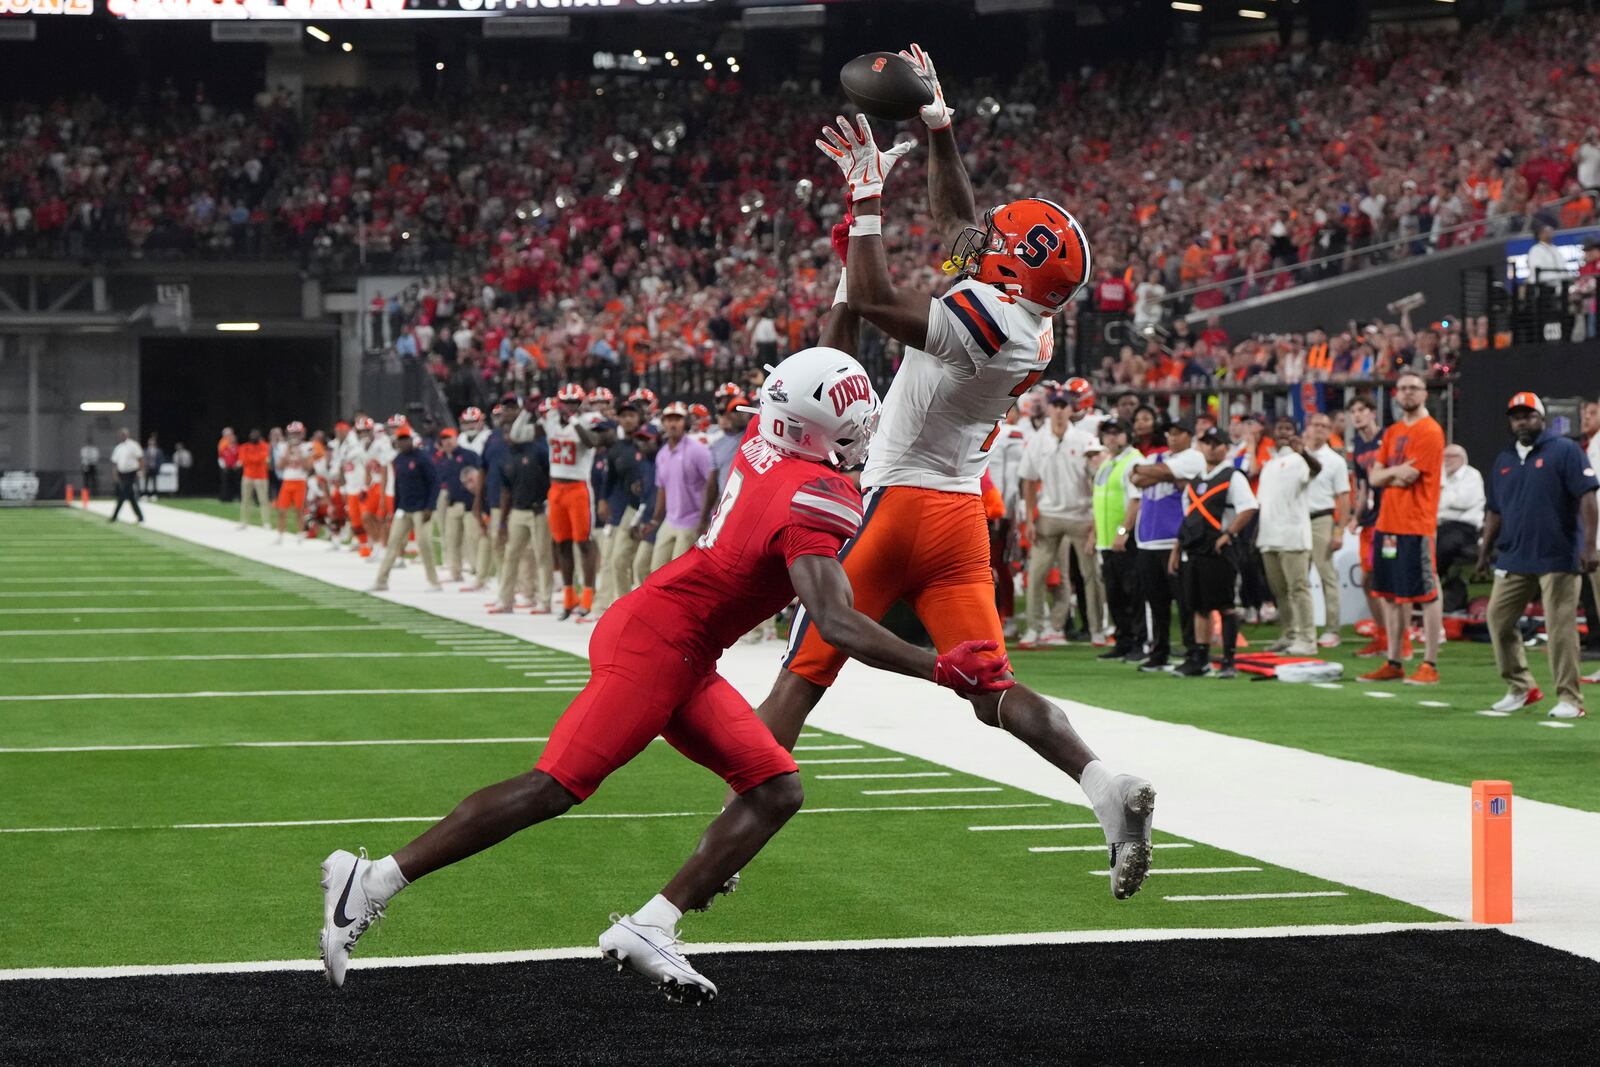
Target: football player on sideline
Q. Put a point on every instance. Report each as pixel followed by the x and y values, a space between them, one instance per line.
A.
pixel 572 443
pixel 783 518
pixel 969 354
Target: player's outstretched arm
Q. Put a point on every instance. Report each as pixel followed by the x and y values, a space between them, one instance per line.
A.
pixel 824 589
pixel 950 197
pixel 842 327
pixel 902 315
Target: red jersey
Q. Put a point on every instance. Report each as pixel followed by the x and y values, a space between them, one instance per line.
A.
pixel 774 510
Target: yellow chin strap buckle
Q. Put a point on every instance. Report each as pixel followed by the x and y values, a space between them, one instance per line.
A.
pixel 954 265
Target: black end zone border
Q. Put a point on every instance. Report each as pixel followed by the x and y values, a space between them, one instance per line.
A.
pixel 1417 996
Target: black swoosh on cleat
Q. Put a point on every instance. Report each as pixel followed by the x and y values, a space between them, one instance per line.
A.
pixel 340 919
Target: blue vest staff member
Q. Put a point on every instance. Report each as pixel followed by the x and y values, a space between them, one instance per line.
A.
pixel 1540 520
pixel 128 459
pixel 1217 506
pixel 457 496
pixel 416 491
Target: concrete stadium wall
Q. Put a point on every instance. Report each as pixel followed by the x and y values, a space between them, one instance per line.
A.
pixel 69 369
pixel 1562 374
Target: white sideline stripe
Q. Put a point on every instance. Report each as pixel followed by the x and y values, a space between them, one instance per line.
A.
pixel 1102 848
pixel 541 955
pixel 1378 694
pixel 231 656
pixel 1190 870
pixel 100 579
pixel 1041 826
pixel 1260 896
pixel 1433 703
pixel 874 777
pixel 823 748
pixel 72 632
pixel 1556 725
pixel 176 746
pixel 852 759
pixel 555 676
pixel 165 609
pixel 436 818
pixel 138 592
pixel 954 789
pixel 208 694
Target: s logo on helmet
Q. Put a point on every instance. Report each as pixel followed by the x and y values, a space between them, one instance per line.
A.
pixel 847 391
pixel 1037 245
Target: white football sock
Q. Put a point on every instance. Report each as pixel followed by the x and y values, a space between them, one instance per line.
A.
pixel 659 912
pixel 383 880
pixel 1096 783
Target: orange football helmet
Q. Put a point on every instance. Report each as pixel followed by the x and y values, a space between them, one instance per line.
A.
pixel 571 393
pixel 1080 393
pixel 1030 248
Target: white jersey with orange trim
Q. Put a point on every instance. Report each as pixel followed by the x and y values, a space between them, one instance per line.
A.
pixel 474 441
pixel 948 401
pixel 353 466
pixel 382 453
pixel 295 462
pixel 570 459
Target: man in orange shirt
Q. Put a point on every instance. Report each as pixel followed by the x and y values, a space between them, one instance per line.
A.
pixel 1409 469
pixel 254 455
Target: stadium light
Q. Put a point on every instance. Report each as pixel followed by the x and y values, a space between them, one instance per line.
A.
pixel 102 405
pixel 1247 13
pixel 669 56
pixel 732 62
pixel 700 58
pixel 1179 5
pixel 734 67
pixel 348 47
pixel 638 53
pixel 238 327
pixel 707 65
pixel 439 65
pixel 674 62
pixel 319 33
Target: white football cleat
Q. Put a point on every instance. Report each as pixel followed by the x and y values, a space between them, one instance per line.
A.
pixel 1514 701
pixel 1129 841
pixel 346 910
pixel 1563 710
pixel 653 952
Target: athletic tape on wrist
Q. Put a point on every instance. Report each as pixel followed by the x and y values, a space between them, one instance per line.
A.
pixel 839 293
pixel 867 226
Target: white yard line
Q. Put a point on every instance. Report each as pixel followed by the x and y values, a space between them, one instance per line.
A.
pixel 73 631
pixel 879 777
pixel 580 952
pixel 1040 826
pixel 1190 870
pixel 825 748
pixel 853 759
pixel 179 746
pixel 1102 848
pixel 100 579
pixel 1377 830
pixel 236 656
pixel 118 594
pixel 295 823
pixel 168 609
pixel 952 789
pixel 217 694
pixel 1191 897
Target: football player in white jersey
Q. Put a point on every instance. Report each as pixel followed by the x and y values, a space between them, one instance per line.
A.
pixel 294 467
pixel 474 433
pixel 572 437
pixel 970 353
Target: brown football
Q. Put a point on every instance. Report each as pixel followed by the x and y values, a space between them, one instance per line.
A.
pixel 885 86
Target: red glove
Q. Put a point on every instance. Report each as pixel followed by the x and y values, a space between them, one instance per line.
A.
pixel 969 672
pixel 841 237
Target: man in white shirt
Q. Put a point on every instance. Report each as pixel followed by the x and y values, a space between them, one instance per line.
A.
pixel 1588 157
pixel 1461 505
pixel 1284 537
pixel 1329 498
pixel 1056 480
pixel 128 459
pixel 89 462
pixel 1545 265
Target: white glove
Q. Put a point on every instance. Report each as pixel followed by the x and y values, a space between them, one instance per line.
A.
pixel 937 114
pixel 857 155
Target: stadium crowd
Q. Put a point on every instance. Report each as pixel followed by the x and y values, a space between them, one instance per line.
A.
pixel 554 203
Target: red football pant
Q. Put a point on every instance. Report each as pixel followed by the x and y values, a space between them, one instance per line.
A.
pixel 641 688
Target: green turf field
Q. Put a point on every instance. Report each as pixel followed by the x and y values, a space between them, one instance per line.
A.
pixel 190 827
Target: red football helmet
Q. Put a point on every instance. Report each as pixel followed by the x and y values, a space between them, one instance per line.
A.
pixel 1080 393
pixel 644 400
pixel 728 391
pixel 571 393
pixel 1030 248
pixel 296 427
pixel 364 425
pixel 701 416
pixel 472 415
pixel 395 422
pixel 602 395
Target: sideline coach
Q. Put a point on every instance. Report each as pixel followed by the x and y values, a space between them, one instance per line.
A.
pixel 1541 520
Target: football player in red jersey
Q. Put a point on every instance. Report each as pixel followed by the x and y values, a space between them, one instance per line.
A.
pixel 784 515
